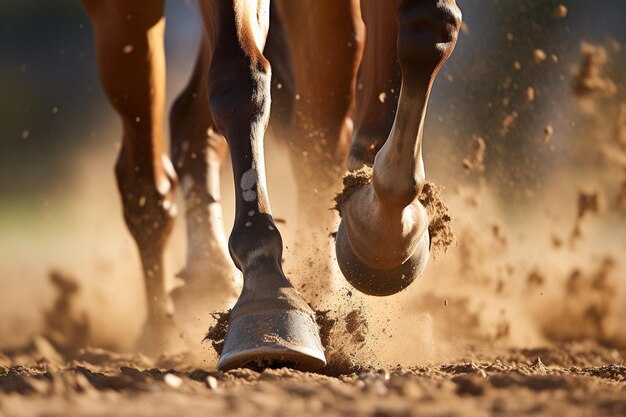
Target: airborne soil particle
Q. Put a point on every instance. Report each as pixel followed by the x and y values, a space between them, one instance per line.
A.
pixel 475 161
pixel 560 11
pixel 539 55
pixel 217 332
pixel 326 324
pixel 508 121
pixel 356 325
pixel 589 80
pixel 440 221
pixel 548 131
pixel 589 202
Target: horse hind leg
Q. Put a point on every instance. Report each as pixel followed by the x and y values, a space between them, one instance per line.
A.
pixel 126 33
pixel 210 280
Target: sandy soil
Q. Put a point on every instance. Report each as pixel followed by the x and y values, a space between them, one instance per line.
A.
pixel 572 380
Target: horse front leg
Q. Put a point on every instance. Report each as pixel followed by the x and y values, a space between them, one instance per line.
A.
pixel 270 322
pixel 383 241
pixel 209 279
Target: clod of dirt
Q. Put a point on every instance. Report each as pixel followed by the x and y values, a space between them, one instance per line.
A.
pixel 217 332
pixel 440 224
pixel 352 181
pixel 548 131
pixel 535 279
pixel 539 55
pixel 589 202
pixel 507 122
pixel 560 11
pixel 356 325
pixel 440 221
pixel 475 161
pixel 326 325
pixel 589 81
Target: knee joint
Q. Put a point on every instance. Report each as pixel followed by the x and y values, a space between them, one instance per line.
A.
pixel 239 89
pixel 427 32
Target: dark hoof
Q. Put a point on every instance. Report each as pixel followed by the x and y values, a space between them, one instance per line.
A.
pixel 380 282
pixel 271 339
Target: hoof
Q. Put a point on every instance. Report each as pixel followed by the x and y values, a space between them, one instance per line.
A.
pixel 380 282
pixel 271 339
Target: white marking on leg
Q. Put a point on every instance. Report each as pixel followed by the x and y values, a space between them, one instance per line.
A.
pixel 247 183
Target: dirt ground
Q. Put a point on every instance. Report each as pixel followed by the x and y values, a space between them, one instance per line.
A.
pixel 570 380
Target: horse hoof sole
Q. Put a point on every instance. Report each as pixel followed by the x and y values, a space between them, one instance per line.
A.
pixel 272 339
pixel 380 282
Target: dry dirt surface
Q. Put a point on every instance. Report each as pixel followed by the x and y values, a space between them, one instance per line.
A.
pixel 571 380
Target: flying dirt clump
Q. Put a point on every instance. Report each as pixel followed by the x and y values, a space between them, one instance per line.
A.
pixel 589 81
pixel 560 11
pixel 475 161
pixel 440 222
pixel 217 332
pixel 356 326
pixel 589 202
pixel 507 122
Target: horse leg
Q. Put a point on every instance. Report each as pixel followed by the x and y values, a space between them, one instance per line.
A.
pixel 326 40
pixel 198 150
pixel 131 61
pixel 383 242
pixel 378 81
pixel 270 322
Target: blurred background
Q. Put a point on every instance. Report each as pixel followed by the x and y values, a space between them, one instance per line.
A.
pixel 516 81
